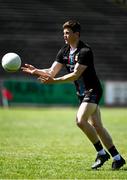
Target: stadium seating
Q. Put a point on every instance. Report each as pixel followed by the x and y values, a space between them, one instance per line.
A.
pixel 33 29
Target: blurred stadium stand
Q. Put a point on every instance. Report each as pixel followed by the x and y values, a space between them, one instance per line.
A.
pixel 33 29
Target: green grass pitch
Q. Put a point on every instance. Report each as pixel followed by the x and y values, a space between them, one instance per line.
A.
pixel 44 143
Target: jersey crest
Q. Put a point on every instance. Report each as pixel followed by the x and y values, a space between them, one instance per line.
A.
pixel 76 57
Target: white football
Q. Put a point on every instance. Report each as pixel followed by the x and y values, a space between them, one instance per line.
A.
pixel 11 62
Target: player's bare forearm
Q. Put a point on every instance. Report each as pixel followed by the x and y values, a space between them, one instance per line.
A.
pixel 63 79
pixel 79 69
pixel 50 72
pixel 66 78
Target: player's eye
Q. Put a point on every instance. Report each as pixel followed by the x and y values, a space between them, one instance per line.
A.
pixel 66 33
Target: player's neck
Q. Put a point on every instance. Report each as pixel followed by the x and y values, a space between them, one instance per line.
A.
pixel 74 44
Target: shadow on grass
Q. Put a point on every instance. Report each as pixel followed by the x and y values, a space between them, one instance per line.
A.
pixel 107 169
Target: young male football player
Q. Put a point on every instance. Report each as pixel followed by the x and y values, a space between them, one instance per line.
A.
pixel 78 59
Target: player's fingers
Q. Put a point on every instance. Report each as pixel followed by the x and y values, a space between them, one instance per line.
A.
pixel 23 68
pixel 46 76
pixel 44 73
pixel 43 79
pixel 26 70
pixel 29 65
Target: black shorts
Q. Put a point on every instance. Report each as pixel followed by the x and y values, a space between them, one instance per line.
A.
pixel 91 97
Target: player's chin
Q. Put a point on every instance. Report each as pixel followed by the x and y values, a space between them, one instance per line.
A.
pixel 66 42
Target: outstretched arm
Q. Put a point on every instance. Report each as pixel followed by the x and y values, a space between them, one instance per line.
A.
pixel 78 70
pixel 51 72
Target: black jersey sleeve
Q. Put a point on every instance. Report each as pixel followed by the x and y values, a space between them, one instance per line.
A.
pixel 85 56
pixel 59 56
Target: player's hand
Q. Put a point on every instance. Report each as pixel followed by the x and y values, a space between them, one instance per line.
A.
pixel 32 70
pixel 29 69
pixel 46 80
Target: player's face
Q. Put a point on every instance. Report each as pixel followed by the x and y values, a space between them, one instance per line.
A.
pixel 69 36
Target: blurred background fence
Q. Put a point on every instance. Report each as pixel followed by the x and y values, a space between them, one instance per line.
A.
pixel 33 29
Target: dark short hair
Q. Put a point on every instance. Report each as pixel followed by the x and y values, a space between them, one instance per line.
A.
pixel 73 25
